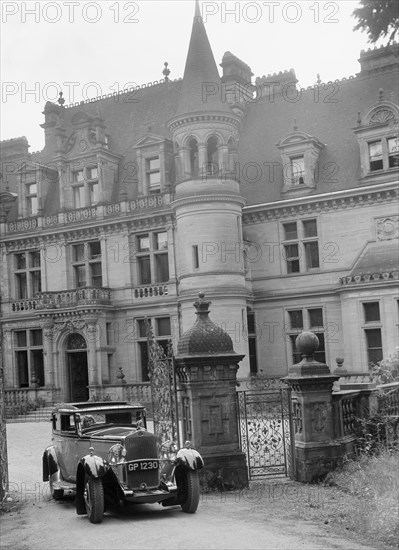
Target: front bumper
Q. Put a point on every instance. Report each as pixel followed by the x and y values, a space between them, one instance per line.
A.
pixel 167 490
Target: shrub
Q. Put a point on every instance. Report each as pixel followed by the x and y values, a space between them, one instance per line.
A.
pixel 40 402
pixel 387 370
pixel 373 480
pixel 371 434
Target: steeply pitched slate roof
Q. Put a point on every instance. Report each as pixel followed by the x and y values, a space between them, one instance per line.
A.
pixel 200 70
pixel 378 257
pixel 129 117
pixel 329 115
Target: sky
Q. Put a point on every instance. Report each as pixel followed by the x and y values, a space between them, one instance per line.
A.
pixel 87 48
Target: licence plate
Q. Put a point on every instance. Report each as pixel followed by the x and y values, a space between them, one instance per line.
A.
pixel 143 465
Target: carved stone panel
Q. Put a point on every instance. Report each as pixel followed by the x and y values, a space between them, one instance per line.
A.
pixel 387 228
pixel 319 416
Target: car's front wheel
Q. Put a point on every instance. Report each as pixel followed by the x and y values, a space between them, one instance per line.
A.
pixel 94 500
pixel 190 491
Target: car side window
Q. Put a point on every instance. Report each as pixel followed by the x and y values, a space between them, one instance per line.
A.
pixel 67 423
pixel 55 422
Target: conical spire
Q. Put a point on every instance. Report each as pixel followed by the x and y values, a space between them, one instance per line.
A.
pixel 201 88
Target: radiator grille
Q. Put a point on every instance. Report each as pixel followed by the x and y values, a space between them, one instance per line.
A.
pixel 142 446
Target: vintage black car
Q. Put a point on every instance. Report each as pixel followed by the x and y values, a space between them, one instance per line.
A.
pixel 103 453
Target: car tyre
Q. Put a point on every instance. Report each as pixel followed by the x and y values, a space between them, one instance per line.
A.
pixel 94 500
pixel 191 491
pixel 56 494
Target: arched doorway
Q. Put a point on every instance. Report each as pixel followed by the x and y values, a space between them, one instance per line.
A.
pixel 78 375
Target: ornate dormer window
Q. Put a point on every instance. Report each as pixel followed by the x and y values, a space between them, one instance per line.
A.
pixel 155 162
pixel 90 169
pixel 85 186
pixel 35 181
pixel 31 198
pixel 377 134
pixel 153 173
pixel 299 155
pixel 92 184
pixel 297 170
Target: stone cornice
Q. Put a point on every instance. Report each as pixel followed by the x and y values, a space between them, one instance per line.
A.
pixel 192 199
pixel 326 202
pixel 362 279
pixel 64 234
pixel 196 117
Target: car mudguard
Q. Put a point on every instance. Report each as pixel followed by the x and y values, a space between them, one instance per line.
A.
pixel 186 458
pixel 50 463
pixel 189 458
pixel 92 466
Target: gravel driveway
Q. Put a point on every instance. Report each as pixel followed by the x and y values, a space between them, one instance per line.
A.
pixel 263 517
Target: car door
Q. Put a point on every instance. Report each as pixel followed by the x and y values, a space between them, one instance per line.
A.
pixel 68 445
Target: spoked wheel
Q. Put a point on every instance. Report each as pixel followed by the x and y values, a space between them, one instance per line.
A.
pixel 57 494
pixel 190 491
pixel 94 500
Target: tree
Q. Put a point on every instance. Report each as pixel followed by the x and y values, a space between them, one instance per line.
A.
pixel 378 18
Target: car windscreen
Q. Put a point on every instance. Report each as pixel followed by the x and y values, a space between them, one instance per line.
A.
pixel 94 418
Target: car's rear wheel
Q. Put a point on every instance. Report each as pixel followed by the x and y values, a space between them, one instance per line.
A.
pixel 57 494
pixel 94 500
pixel 190 491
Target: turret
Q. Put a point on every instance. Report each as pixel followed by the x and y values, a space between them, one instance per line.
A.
pixel 208 204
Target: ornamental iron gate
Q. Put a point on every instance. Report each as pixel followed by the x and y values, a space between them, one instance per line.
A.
pixel 162 377
pixel 266 433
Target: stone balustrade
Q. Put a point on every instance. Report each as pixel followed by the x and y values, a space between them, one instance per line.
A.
pixel 345 408
pixel 87 214
pixel 151 291
pixel 71 298
pixel 24 305
pixel 18 396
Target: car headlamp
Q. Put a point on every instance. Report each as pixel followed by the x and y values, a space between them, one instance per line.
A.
pixel 117 454
pixel 168 450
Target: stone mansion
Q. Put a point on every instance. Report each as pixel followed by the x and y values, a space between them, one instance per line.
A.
pixel 279 203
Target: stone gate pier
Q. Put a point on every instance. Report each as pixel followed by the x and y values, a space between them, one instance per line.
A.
pixel 206 367
pixel 317 448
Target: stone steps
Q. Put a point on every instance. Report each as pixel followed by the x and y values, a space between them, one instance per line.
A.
pixel 39 415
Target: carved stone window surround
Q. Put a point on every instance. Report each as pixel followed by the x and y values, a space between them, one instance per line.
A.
pixel 298 149
pixel 379 126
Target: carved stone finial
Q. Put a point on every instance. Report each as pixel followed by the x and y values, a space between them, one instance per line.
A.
pixel 380 95
pixel 61 100
pixel 359 119
pixel 307 343
pixel 166 71
pixel 318 79
pixel 121 376
pixel 201 305
pixel 340 362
